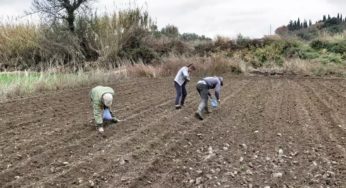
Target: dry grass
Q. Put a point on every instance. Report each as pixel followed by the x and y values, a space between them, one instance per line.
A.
pixel 217 64
pixel 50 81
pixel 169 66
pixel 16 40
pixel 142 70
pixel 302 67
pixel 333 38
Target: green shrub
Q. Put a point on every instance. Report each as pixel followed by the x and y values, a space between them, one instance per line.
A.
pixel 335 29
pixel 305 35
pixel 243 42
pixel 339 47
pixel 272 52
pixel 336 47
pixel 330 58
pixel 204 49
pixel 302 52
pixel 319 44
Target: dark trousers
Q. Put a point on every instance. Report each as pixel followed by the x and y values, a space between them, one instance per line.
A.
pixel 181 93
pixel 203 92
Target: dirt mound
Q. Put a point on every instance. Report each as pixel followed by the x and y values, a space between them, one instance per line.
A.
pixel 277 132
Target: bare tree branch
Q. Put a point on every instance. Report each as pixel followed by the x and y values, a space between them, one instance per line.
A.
pixel 54 10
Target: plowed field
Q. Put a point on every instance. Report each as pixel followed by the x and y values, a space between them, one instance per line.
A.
pixel 268 131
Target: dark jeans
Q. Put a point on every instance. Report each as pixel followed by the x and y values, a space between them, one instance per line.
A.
pixel 203 92
pixel 181 93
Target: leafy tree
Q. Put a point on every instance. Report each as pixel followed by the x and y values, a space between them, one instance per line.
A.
pixel 170 30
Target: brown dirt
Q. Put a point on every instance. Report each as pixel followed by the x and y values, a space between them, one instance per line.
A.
pixel 268 131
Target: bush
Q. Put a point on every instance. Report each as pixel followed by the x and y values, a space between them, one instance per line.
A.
pixel 339 47
pixel 306 35
pixel 335 29
pixel 336 47
pixel 19 46
pixel 302 52
pixel 204 49
pixel 272 52
pixel 330 58
pixel 319 44
pixel 243 42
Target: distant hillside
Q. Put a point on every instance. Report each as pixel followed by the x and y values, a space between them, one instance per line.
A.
pixel 306 30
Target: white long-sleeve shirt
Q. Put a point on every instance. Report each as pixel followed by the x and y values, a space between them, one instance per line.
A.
pixel 182 75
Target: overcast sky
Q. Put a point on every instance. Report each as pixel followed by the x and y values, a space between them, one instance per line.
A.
pixel 228 18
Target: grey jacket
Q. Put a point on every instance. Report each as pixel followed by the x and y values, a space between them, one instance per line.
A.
pixel 214 83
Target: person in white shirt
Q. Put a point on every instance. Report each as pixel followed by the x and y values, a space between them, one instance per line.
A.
pixel 180 80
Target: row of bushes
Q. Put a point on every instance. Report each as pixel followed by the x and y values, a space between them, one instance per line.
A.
pixel 108 39
pixel 131 35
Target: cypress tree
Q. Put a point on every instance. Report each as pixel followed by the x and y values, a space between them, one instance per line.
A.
pixel 290 25
pixel 305 24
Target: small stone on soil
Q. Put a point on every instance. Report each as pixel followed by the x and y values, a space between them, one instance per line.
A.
pixel 210 150
pixel 249 172
pixel 281 152
pixel 92 184
pixel 241 159
pixel 244 146
pixel 198 180
pixel 277 175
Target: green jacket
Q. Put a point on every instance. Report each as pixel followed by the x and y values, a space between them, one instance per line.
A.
pixel 96 99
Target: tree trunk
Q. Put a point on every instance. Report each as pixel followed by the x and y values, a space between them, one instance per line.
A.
pixel 70 20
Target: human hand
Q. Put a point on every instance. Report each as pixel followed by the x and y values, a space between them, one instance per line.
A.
pixel 99 128
pixel 115 120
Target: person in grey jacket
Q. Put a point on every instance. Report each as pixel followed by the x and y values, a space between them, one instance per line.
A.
pixel 180 80
pixel 203 87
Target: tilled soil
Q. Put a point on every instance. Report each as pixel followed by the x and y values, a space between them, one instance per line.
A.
pixel 268 131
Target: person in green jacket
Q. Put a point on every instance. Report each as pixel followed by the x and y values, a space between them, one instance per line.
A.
pixel 102 98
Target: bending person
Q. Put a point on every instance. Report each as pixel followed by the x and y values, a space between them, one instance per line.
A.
pixel 203 87
pixel 102 98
